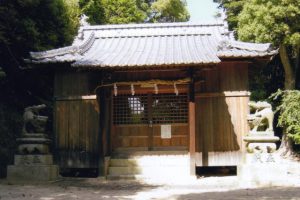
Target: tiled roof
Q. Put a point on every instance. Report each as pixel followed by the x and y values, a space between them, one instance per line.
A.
pixel 140 45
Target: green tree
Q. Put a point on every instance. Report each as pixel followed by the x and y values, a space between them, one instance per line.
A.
pixel 233 9
pixel 170 11
pixel 33 25
pixel 94 10
pixel 133 11
pixel 278 22
pixel 123 12
pixel 288 106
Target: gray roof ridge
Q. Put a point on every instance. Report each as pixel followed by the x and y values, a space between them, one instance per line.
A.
pixel 72 49
pixel 156 35
pixel 230 44
pixel 153 25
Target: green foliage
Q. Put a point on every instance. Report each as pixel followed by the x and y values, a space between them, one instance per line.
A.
pixel 123 12
pixel 276 21
pixel 133 11
pixel 170 11
pixel 273 21
pixel 233 9
pixel 31 25
pixel 94 10
pixel 288 106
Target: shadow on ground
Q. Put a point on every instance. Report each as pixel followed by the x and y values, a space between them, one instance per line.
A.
pixel 289 193
pixel 96 188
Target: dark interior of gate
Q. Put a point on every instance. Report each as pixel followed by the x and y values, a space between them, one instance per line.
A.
pixel 92 120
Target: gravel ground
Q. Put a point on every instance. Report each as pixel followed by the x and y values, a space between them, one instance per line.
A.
pixel 96 188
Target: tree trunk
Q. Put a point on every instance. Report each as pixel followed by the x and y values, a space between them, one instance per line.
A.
pixel 286 146
pixel 297 67
pixel 289 73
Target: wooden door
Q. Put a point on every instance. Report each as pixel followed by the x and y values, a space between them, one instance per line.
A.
pixel 150 122
pixel 76 132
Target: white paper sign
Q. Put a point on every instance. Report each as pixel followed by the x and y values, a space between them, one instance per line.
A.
pixel 165 131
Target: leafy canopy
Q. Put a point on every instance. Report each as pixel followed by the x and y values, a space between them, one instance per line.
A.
pixel 123 12
pixel 31 25
pixel 233 9
pixel 94 10
pixel 275 21
pixel 170 11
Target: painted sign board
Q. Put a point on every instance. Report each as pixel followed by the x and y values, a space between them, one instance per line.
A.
pixel 165 131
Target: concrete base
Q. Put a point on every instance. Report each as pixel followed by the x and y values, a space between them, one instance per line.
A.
pixel 32 173
pixel 262 175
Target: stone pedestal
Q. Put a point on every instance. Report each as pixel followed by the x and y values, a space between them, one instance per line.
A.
pixel 262 175
pixel 32 168
pixel 260 165
pixel 33 162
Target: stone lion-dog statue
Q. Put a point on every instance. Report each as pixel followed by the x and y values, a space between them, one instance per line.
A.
pixel 33 122
pixel 261 116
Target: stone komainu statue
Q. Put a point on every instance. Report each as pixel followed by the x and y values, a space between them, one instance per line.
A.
pixel 33 122
pixel 261 116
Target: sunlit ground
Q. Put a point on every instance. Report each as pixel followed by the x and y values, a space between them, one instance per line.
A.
pixel 173 189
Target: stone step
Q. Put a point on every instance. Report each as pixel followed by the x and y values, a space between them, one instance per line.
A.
pixel 130 154
pixel 131 165
pixel 123 177
pixel 146 161
pixel 149 170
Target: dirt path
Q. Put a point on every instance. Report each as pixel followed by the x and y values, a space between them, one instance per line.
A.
pixel 91 189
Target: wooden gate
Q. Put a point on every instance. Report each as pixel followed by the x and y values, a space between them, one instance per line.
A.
pixel 150 122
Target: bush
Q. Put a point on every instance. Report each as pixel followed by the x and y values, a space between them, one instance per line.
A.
pixel 287 104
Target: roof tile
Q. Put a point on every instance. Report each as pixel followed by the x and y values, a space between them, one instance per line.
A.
pixel 152 45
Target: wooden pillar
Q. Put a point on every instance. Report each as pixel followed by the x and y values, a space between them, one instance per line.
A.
pixel 192 142
pixel 192 126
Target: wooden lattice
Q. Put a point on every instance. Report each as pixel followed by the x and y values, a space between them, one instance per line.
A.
pixel 128 109
pixel 169 108
pixel 143 109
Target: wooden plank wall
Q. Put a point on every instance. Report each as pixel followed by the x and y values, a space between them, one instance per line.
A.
pixel 76 121
pixel 221 111
pixel 76 128
pixel 143 137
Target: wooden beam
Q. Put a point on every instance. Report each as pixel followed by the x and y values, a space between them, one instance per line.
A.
pixel 224 94
pixel 150 122
pixel 71 98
